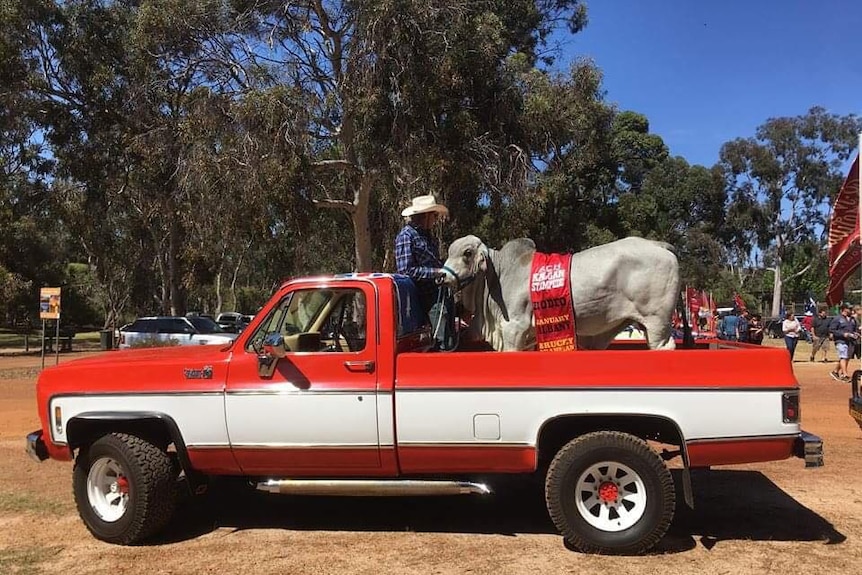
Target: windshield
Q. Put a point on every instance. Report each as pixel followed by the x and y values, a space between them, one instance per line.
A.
pixel 205 325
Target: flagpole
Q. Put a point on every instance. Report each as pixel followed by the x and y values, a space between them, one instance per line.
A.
pixel 859 226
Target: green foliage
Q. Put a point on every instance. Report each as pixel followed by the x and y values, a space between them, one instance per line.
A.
pixel 636 150
pixel 81 297
pixel 571 129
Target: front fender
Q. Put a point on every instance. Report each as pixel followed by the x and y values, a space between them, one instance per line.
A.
pixel 160 428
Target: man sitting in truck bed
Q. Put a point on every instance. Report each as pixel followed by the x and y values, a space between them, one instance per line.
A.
pixel 417 255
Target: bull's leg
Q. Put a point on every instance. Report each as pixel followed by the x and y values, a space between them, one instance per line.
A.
pixel 517 336
pixel 658 333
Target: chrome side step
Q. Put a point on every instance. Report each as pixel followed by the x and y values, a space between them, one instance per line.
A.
pixel 371 487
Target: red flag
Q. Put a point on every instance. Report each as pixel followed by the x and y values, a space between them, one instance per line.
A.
pixel 737 301
pixel 844 252
pixel 693 304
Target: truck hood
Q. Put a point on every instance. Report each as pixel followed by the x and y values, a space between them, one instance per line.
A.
pixel 149 370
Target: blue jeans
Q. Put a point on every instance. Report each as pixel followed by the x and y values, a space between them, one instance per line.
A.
pixel 791 342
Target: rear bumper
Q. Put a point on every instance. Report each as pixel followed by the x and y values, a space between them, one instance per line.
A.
pixel 36 448
pixel 810 448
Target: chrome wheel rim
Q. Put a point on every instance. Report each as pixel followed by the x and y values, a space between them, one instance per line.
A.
pixel 610 496
pixel 108 489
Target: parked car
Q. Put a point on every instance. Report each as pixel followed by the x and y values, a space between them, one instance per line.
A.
pixel 173 330
pixel 232 321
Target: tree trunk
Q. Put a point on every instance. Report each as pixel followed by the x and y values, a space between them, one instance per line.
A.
pixel 163 288
pixel 218 291
pixel 776 289
pixel 233 283
pixel 176 304
pixel 361 225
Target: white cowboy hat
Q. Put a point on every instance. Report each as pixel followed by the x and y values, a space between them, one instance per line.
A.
pixel 424 204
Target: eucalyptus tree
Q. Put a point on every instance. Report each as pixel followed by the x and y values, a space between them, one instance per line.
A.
pixel 404 97
pixel 31 241
pixel 780 185
pixel 570 130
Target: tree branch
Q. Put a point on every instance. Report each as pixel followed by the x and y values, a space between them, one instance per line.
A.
pixel 340 165
pixel 348 207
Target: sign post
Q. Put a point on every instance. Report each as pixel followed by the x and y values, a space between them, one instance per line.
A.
pixel 49 308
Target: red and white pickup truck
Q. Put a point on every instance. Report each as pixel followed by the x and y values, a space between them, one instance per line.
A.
pixel 333 390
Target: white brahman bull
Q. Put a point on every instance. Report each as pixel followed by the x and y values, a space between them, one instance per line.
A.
pixel 632 280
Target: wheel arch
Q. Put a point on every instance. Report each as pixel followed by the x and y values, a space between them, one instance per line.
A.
pixel 556 432
pixel 158 428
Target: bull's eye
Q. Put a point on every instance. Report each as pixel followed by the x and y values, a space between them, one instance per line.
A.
pixel 468 254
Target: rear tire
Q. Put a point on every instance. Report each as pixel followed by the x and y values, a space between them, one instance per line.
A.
pixel 124 487
pixel 609 492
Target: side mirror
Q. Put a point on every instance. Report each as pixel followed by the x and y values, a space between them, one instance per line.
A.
pixel 273 350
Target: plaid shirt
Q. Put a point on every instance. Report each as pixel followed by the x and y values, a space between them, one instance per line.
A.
pixel 417 253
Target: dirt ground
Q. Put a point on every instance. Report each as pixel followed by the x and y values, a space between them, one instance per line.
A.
pixel 769 518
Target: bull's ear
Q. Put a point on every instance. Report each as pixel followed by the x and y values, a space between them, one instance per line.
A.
pixel 482 265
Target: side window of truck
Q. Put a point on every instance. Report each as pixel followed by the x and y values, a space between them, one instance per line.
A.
pixel 337 315
pixel 345 326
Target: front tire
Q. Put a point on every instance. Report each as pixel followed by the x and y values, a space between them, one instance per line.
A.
pixel 124 488
pixel 609 492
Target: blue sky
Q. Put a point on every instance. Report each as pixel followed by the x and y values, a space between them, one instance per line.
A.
pixel 705 73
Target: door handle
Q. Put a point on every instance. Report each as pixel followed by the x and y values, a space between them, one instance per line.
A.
pixel 359 366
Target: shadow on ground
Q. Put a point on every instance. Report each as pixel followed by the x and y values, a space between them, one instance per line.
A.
pixel 744 505
pixel 729 505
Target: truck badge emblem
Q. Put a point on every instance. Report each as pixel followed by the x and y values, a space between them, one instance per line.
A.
pixel 205 373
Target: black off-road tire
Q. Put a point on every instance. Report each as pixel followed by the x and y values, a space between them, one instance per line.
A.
pixel 590 452
pixel 150 480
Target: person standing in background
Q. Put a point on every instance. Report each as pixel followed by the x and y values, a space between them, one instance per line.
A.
pixel 730 326
pixel 807 324
pixel 742 325
pixel 791 329
pixel 755 330
pixel 844 335
pixel 820 327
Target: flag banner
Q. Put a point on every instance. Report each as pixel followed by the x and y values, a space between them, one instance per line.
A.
pixel 551 296
pixel 675 319
pixel 713 311
pixel 738 302
pixel 693 305
pixel 692 298
pixel 844 251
